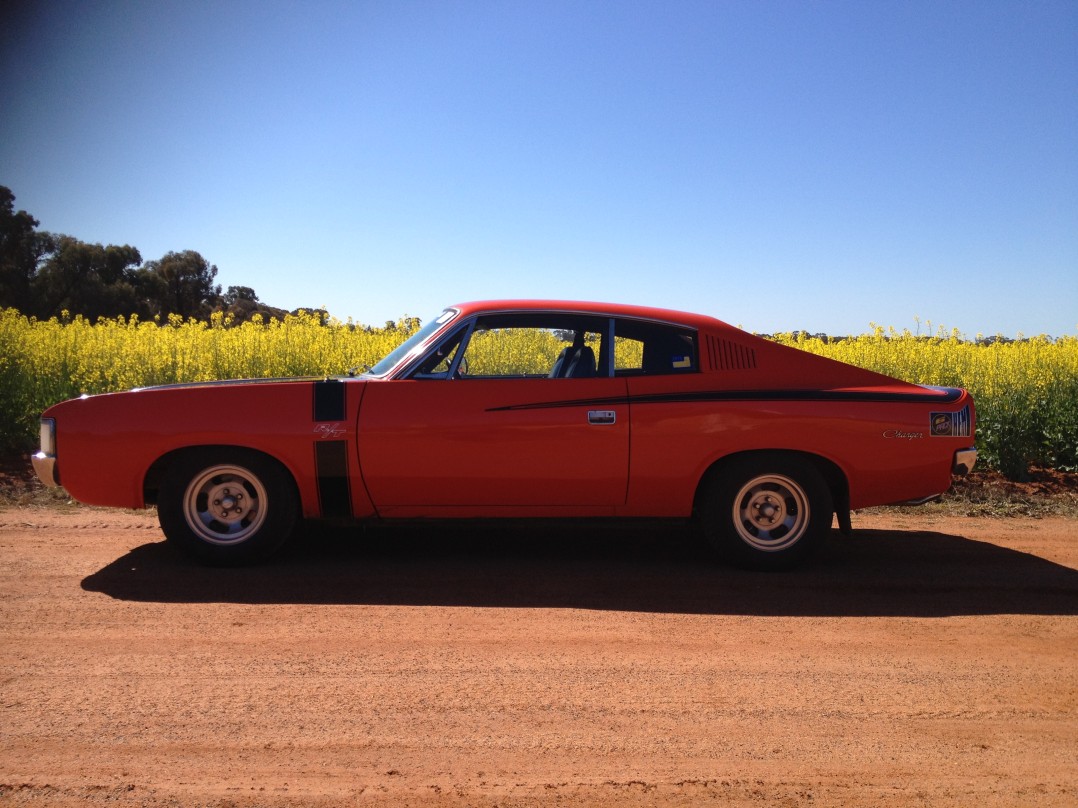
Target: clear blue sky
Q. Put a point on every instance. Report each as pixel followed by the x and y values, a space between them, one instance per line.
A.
pixel 779 165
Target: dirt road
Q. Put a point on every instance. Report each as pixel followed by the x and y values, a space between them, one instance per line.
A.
pixel 924 660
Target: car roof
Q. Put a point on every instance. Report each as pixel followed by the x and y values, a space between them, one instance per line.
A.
pixel 590 307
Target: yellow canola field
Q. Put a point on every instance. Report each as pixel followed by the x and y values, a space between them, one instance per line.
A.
pixel 1026 390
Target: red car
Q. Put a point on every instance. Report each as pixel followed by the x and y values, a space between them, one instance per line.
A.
pixel 524 409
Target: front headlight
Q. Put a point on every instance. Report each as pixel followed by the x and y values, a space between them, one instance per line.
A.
pixel 48 436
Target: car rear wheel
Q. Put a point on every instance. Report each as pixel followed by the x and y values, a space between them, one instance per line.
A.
pixel 227 507
pixel 767 511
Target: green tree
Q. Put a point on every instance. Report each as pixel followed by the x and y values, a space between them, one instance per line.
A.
pixel 22 249
pixel 236 294
pixel 43 274
pixel 242 304
pixel 187 287
pixel 87 279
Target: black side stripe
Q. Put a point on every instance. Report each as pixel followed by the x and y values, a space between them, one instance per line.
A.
pixel 943 396
pixel 329 400
pixel 331 456
pixel 331 468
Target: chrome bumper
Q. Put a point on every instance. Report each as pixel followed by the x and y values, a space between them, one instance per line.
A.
pixel 45 469
pixel 963 461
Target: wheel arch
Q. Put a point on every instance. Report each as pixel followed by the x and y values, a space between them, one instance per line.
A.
pixel 833 476
pixel 151 484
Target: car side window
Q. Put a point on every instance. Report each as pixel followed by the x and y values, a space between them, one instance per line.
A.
pixel 653 349
pixel 521 345
pixel 527 351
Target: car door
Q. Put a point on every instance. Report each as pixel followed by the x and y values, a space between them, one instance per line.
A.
pixel 496 440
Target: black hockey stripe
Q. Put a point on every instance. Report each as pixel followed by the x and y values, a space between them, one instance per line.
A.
pixel 945 396
pixel 329 400
pixel 331 469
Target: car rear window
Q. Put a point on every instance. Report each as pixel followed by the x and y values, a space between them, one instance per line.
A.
pixel 653 349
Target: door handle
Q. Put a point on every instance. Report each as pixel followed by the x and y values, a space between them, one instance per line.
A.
pixel 602 417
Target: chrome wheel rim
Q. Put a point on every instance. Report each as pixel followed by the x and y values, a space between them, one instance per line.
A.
pixel 225 504
pixel 771 513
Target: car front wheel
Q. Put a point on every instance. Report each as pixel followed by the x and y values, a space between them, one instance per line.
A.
pixel 767 511
pixel 227 507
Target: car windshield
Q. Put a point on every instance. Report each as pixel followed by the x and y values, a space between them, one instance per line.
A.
pixel 418 338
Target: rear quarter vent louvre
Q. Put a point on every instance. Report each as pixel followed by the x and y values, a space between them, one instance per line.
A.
pixel 725 355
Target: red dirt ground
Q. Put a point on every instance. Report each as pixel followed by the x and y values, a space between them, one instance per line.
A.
pixel 928 659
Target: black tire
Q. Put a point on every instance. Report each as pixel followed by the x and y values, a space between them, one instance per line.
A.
pixel 227 507
pixel 766 511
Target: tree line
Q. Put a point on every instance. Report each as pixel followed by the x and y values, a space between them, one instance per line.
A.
pixel 44 274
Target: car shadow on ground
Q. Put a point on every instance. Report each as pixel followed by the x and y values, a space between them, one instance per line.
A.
pixel 660 569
